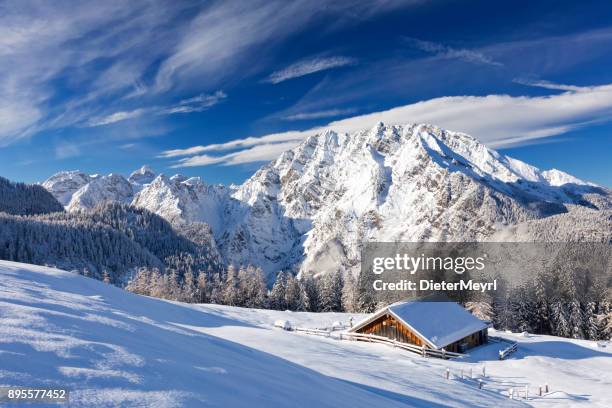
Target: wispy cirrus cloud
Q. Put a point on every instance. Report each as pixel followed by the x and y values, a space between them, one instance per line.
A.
pixel 231 38
pixel 257 153
pixel 309 66
pixel 538 83
pixel 444 51
pixel 198 103
pixel 72 64
pixel 328 113
pixel 497 120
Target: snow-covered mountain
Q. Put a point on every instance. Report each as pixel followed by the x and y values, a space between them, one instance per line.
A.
pixel 311 209
pixel 142 176
pixel 183 200
pixel 63 185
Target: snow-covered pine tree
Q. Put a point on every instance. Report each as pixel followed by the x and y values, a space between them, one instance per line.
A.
pixel 523 309
pixel 294 297
pixel 331 292
pixel 140 282
pixel 481 309
pixel 202 288
pixel 349 294
pixel 605 322
pixel 189 288
pixel 259 291
pixel 311 293
pixel 559 319
pixel 277 294
pixel 216 289
pixel 366 299
pixel 542 310
pixel 231 295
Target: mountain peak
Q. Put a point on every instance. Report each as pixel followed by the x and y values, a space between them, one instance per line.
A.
pixel 144 175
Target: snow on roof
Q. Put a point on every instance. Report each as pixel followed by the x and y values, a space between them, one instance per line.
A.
pixel 439 323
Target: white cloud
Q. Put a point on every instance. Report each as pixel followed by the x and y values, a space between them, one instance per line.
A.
pixel 445 51
pixel 16 116
pixel 236 144
pixel 42 41
pixel 497 120
pixel 116 117
pixel 198 103
pixel 234 38
pixel 262 152
pixel 307 67
pixel 547 85
pixel 329 113
pixel 67 150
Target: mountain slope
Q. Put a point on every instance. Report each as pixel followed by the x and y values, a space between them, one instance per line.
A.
pixel 579 225
pixel 25 199
pixel 113 238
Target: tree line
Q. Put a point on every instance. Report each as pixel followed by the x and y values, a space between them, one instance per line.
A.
pixel 245 286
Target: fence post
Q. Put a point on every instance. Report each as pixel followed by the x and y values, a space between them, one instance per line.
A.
pixel 480 384
pixel 511 393
pixel 546 388
pixel 540 390
pixel 484 373
pixel 447 373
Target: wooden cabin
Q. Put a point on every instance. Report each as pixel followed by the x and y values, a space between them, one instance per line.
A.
pixel 435 324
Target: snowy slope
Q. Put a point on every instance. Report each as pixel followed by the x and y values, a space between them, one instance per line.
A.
pixel 113 348
pixel 578 373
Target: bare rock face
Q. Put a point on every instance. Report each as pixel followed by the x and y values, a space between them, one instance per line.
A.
pixel 310 210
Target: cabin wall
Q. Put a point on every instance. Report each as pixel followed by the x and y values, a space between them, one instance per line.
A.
pixel 388 326
pixel 473 340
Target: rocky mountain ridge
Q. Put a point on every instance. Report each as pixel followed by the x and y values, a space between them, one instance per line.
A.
pixel 310 210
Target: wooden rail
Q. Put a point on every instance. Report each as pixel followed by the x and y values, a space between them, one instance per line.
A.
pixel 424 351
pixel 507 351
pixel 317 332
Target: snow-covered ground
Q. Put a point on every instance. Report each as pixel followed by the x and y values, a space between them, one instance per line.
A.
pixel 112 348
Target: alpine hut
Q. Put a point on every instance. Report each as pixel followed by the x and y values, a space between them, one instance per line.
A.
pixel 435 324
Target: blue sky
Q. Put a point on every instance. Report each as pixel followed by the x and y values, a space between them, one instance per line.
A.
pixel 215 89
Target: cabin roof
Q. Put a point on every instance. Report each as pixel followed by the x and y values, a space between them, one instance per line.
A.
pixel 438 323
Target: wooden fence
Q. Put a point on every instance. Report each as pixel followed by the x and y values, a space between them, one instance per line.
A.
pixel 507 351
pixel 372 338
pixel 424 351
